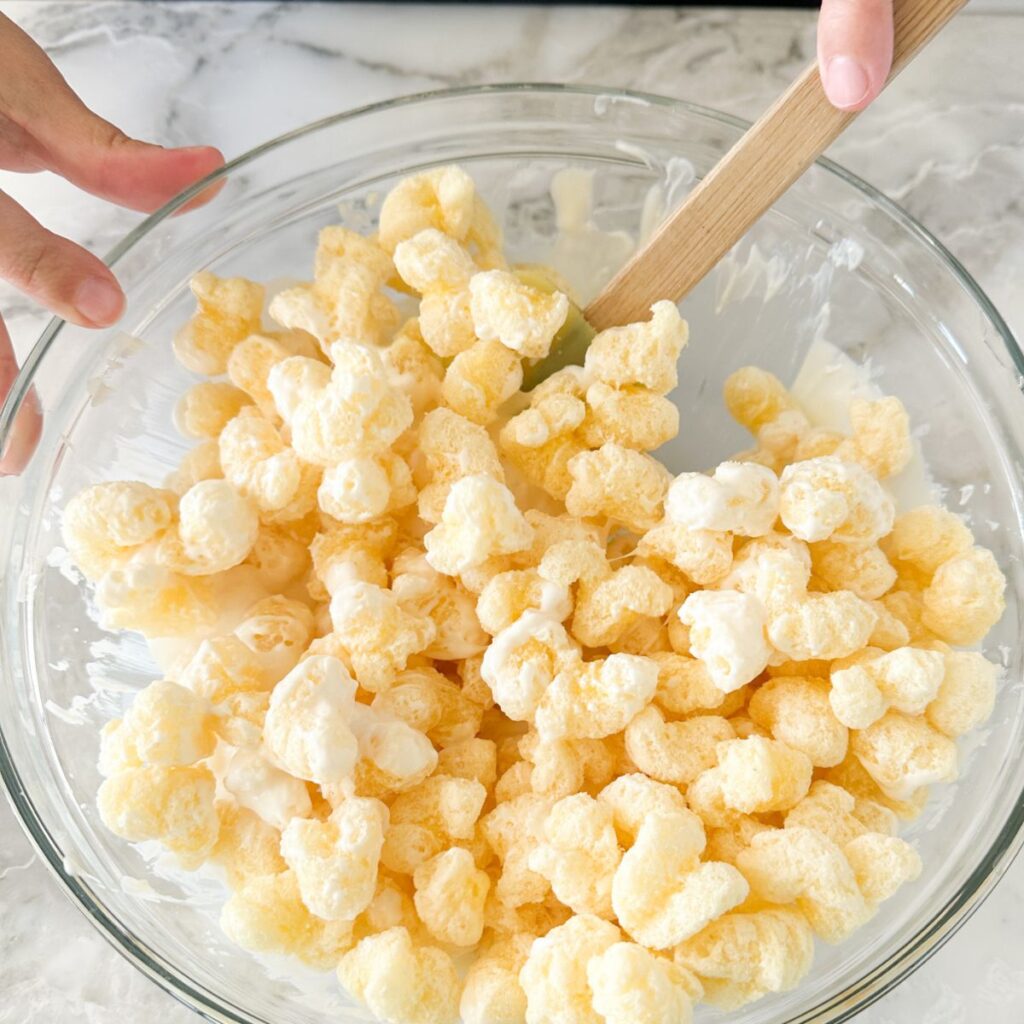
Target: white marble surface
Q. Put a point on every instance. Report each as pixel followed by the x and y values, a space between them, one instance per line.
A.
pixel 947 141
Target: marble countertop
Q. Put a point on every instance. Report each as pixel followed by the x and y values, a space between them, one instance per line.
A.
pixel 946 141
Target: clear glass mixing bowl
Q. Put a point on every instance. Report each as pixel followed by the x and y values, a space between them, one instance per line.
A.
pixel 834 258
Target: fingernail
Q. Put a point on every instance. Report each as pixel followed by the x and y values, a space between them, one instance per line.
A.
pixel 846 81
pixel 99 301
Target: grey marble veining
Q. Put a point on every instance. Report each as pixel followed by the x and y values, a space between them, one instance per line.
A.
pixel 946 141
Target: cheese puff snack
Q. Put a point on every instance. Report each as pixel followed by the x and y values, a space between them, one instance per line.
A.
pixel 472 701
pixel 229 310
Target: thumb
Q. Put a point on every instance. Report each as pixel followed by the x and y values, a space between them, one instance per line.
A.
pixel 855 40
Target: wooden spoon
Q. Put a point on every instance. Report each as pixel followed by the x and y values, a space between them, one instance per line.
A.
pixel 774 152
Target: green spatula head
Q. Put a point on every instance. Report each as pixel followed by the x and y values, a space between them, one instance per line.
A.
pixel 570 345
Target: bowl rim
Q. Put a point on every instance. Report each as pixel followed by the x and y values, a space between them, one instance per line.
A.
pixel 835 1008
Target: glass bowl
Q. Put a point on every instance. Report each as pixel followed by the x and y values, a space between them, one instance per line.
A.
pixel 833 259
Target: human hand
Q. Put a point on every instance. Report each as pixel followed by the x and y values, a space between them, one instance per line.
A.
pixel 854 50
pixel 45 126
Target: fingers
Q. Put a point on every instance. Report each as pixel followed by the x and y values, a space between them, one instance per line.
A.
pixel 854 50
pixel 71 140
pixel 28 426
pixel 45 126
pixel 56 273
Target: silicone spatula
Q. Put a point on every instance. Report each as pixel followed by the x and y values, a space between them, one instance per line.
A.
pixel 788 137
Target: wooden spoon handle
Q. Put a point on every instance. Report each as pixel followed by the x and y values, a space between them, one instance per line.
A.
pixel 784 142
